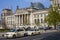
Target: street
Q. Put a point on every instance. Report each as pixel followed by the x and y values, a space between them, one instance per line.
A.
pixel 44 36
pixel 55 36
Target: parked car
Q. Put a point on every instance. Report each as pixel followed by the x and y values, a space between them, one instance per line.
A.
pixel 41 27
pixel 37 31
pixel 14 33
pixel 31 31
pixel 47 28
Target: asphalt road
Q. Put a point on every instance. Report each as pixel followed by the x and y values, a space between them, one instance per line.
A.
pixel 55 36
pixel 45 36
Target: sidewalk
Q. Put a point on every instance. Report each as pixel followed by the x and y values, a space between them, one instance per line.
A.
pixel 47 31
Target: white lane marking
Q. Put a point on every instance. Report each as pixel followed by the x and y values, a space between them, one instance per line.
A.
pixel 39 38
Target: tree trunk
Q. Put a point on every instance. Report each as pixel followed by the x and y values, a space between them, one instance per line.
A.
pixel 55 26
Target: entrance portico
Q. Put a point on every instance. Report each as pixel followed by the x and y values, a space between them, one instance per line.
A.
pixel 23 19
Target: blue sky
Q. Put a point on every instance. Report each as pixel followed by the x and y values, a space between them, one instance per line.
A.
pixel 22 3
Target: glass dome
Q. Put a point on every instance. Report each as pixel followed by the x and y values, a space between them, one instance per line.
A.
pixel 38 5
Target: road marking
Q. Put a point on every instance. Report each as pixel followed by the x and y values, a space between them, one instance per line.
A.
pixel 39 38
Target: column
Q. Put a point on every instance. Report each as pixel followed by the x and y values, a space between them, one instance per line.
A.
pixel 25 19
pixel 19 20
pixel 31 19
pixel 28 18
pixel 22 19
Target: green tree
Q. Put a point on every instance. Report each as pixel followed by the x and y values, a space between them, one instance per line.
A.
pixel 53 17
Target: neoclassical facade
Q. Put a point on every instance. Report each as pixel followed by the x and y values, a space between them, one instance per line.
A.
pixel 23 17
pixel 5 13
pixel 31 17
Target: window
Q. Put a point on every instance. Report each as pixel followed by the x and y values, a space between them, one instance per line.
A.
pixel 9 18
pixel 20 30
pixel 36 15
pixel 41 20
pixel 41 15
pixel 37 21
pixel 7 22
pixel 44 14
pixel 12 30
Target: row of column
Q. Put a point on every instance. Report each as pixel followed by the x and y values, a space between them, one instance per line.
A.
pixel 23 19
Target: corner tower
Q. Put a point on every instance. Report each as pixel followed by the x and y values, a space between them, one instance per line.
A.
pixel 5 12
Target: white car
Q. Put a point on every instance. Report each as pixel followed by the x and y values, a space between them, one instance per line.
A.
pixel 32 32
pixel 14 33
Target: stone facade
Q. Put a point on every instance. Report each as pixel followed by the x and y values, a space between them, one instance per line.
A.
pixel 25 16
pixel 5 12
pixel 22 17
pixel 10 21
